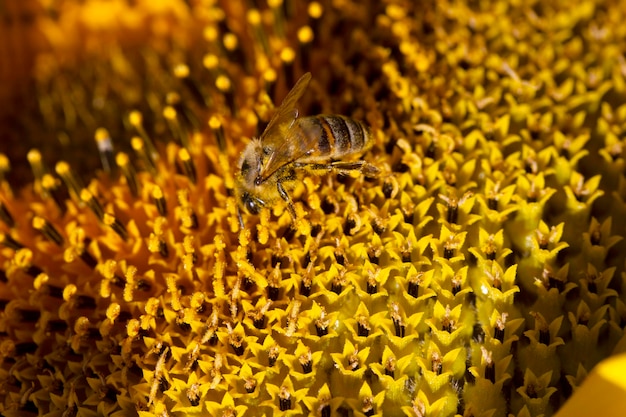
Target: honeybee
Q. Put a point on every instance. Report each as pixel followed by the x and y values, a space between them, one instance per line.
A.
pixel 290 146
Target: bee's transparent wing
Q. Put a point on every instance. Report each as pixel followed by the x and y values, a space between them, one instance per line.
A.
pixel 300 139
pixel 286 112
pixel 287 140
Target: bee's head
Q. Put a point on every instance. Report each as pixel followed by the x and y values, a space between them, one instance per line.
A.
pixel 251 162
pixel 252 204
pixel 250 190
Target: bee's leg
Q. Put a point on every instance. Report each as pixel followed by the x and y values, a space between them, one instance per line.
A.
pixel 285 196
pixel 240 217
pixel 366 169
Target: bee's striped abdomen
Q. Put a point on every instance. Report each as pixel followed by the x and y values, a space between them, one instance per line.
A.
pixel 340 135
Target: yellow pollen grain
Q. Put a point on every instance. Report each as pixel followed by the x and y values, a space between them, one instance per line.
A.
pixel 34 156
pixel 113 311
pixel 305 34
pixel 121 159
pixel 214 122
pixel 23 258
pixel 69 255
pixel 274 3
pixel 40 281
pixel 102 134
pixel 270 75
pixel 154 243
pixel 85 195
pixel 136 143
pixel 108 219
pixel 263 227
pixel 230 41
pixel 129 289
pixel 5 164
pixel 82 325
pixel 287 55
pixel 188 244
pixel 49 182
pixel 131 271
pixel 69 291
pixel 62 168
pixel 157 192
pixel 77 236
pixel 108 269
pixel 254 17
pixel 170 281
pixel 135 118
pixel 38 222
pixel 210 33
pixel 244 238
pixel 133 328
pixel 223 83
pixel 188 261
pixel 395 11
pixel 197 299
pixel 315 10
pixel 183 198
pixel 105 288
pixel 249 118
pixel 183 154
pixel 172 98
pixel 210 61
pixel 181 71
pixel 152 307
pixel 169 113
pixel 400 29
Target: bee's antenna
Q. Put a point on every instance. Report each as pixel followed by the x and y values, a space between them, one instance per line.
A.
pixel 240 217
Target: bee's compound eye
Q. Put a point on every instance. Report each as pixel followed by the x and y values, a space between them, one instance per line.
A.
pixel 252 207
pixel 251 204
pixel 245 166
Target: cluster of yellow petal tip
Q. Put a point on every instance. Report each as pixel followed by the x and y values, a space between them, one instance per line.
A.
pixel 482 273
